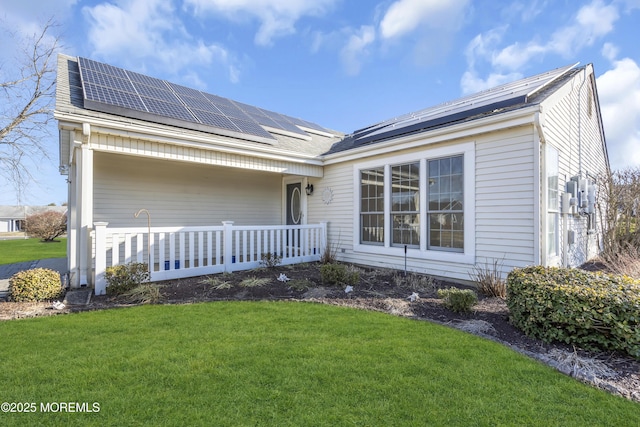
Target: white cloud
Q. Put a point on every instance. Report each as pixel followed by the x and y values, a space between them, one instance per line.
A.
pixel 146 29
pixel 592 22
pixel 357 48
pixel 619 93
pixel 472 83
pixel 405 16
pixel 277 18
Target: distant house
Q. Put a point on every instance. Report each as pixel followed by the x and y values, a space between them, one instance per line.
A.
pixel 504 174
pixel 12 217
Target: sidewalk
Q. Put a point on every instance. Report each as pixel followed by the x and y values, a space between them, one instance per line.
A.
pixel 8 270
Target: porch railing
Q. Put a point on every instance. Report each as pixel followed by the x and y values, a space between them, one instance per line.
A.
pixel 178 252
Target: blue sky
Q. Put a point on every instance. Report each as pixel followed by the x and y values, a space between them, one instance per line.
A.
pixel 345 64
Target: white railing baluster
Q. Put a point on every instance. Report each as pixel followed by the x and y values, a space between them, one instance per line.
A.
pixel 219 248
pixel 152 248
pixel 161 252
pixel 127 248
pixel 234 248
pixel 251 247
pixel 115 249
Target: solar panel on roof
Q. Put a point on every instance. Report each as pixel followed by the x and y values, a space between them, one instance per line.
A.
pixel 199 103
pixel 114 90
pixel 109 96
pixel 506 95
pixel 185 91
pixel 304 123
pixel 250 126
pixel 232 112
pixel 219 100
pixel 213 119
pixel 154 92
pixel 168 109
pixel 146 80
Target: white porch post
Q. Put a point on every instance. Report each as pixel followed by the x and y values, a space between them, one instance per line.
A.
pixel 85 193
pixel 72 226
pixel 323 238
pixel 101 257
pixel 227 235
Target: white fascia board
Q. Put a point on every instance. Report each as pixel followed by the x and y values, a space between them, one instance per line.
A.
pixel 515 118
pixel 131 130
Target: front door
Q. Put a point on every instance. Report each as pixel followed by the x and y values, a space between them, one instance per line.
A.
pixel 294 214
pixel 294 204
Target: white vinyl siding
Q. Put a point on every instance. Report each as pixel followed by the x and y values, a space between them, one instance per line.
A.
pixel 182 194
pixel 505 198
pixel 577 135
pixel 200 154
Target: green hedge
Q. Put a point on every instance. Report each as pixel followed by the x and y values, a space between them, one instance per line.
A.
pixel 591 310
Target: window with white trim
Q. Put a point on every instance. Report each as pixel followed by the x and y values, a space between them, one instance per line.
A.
pixel 553 201
pixel 405 204
pixel 446 201
pixel 372 206
pixel 442 185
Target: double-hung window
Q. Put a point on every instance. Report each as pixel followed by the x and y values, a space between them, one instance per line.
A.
pixel 372 206
pixel 553 201
pixel 446 203
pixel 391 213
pixel 405 204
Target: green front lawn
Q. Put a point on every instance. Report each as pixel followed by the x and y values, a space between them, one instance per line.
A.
pixel 20 250
pixel 282 363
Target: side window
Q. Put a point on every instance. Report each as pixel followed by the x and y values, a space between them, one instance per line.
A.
pixel 405 204
pixel 446 204
pixel 372 206
pixel 553 203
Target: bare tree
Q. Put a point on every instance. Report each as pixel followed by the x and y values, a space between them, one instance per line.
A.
pixel 619 214
pixel 27 93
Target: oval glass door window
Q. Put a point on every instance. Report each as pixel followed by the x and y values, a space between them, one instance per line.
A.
pixel 296 206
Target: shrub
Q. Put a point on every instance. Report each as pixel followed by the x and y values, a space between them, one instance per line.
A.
pixel 329 254
pixel 143 294
pixel 415 282
pixel 458 300
pixel 489 280
pixel 124 277
pixel 591 310
pixel 254 282
pixel 217 283
pixel 38 284
pixel 338 274
pixel 270 260
pixel 46 225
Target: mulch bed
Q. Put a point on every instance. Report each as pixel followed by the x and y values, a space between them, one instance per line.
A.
pixel 387 291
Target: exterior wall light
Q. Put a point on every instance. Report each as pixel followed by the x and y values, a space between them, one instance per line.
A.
pixel 309 189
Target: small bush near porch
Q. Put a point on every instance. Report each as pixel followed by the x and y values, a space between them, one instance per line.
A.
pixel 282 363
